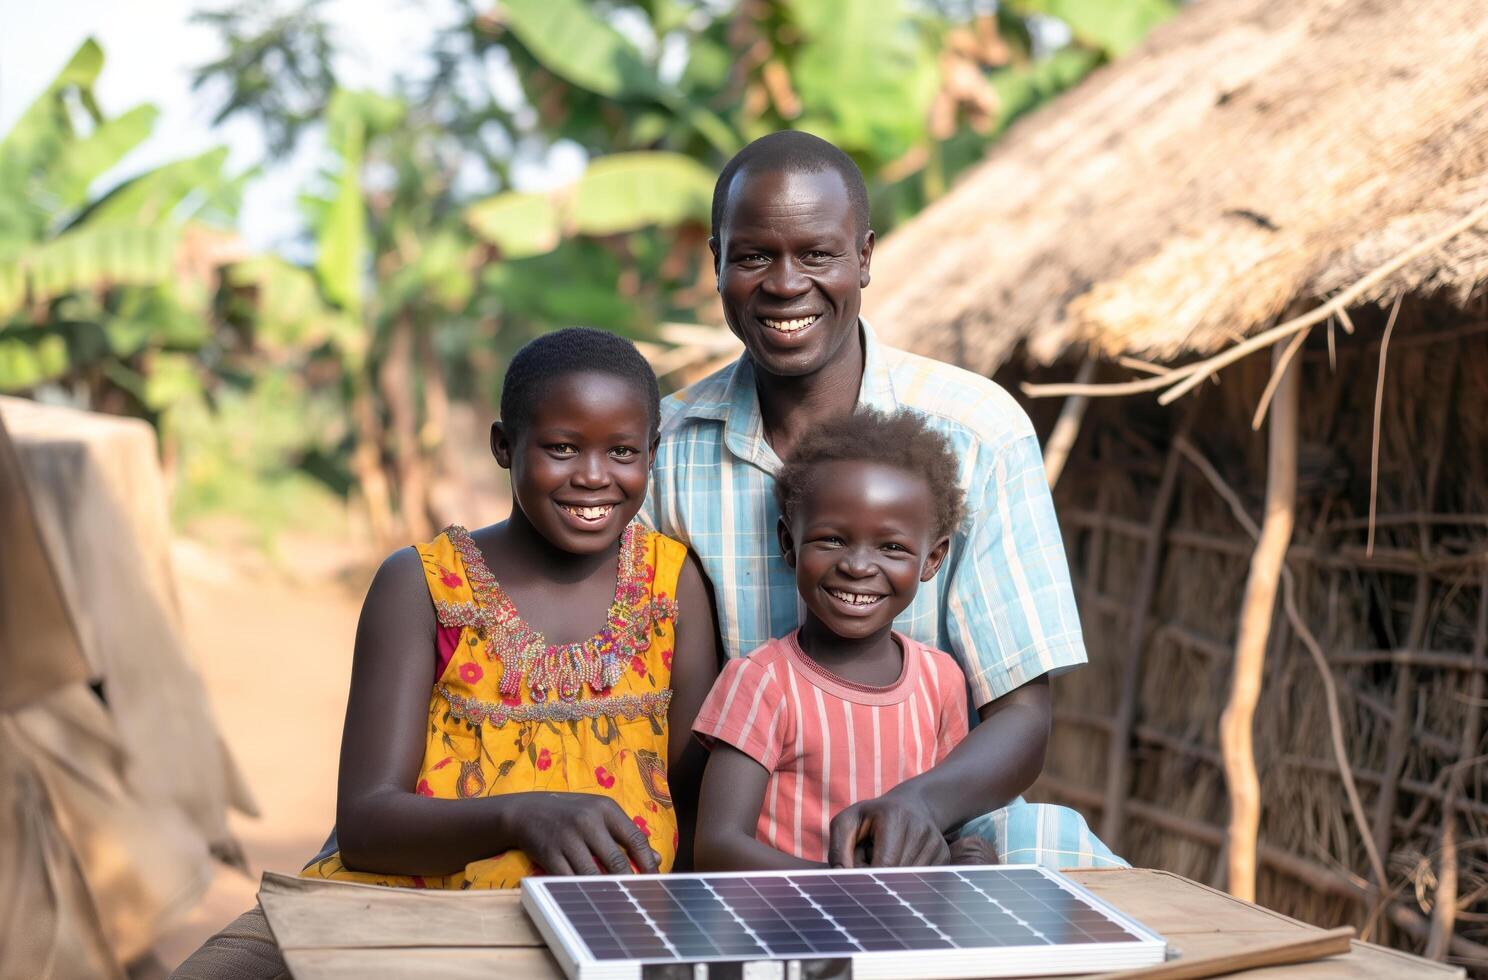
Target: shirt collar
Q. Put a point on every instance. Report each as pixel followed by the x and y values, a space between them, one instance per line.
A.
pixel 738 404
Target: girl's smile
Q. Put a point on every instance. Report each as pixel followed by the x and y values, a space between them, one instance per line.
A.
pixel 579 464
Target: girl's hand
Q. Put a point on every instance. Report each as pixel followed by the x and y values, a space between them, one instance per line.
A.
pixel 580 834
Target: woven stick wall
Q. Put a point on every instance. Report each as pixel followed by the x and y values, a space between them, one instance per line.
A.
pixel 1159 559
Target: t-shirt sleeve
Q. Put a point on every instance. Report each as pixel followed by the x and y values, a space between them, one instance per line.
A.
pixel 952 724
pixel 1010 609
pixel 745 709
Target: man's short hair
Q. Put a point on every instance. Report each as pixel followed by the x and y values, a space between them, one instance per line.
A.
pixel 899 439
pixel 790 151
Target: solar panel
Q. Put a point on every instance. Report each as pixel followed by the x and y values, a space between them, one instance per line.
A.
pixel 945 922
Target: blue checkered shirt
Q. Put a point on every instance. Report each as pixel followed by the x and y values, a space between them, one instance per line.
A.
pixel 1002 603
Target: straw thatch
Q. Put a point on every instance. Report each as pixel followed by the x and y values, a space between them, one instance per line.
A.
pixel 1249 154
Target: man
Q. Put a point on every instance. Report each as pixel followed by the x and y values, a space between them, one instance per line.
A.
pixel 792 249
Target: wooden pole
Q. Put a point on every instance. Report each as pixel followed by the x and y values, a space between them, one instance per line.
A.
pixel 1067 428
pixel 1302 948
pixel 1118 748
pixel 1236 724
pixel 1444 911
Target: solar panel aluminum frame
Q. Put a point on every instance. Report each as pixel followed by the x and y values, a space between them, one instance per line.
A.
pixel 573 954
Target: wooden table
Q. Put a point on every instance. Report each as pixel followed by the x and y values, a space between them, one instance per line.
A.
pixel 334 930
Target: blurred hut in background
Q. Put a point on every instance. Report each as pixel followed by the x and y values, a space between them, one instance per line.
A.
pixel 114 780
pixel 1309 178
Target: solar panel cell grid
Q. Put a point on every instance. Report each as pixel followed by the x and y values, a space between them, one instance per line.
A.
pixel 812 916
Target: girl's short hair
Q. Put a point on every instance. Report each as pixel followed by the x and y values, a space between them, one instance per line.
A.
pixel 900 439
pixel 573 350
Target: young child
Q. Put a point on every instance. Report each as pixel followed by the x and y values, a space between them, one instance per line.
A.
pixel 522 695
pixel 844 708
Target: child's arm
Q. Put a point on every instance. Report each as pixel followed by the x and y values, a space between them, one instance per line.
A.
pixel 694 668
pixel 733 792
pixel 383 825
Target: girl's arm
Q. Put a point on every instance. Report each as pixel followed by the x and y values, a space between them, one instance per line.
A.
pixel 383 825
pixel 733 792
pixel 694 668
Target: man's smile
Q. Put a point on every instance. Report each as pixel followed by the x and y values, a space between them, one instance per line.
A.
pixel 793 325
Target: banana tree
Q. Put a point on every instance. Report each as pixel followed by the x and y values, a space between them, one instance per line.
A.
pixel 913 91
pixel 94 287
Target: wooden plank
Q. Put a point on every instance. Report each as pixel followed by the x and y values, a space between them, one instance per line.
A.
pixel 1301 948
pixel 449 963
pixel 337 931
pixel 309 914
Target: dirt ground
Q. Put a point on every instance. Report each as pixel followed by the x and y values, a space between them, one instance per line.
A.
pixel 273 642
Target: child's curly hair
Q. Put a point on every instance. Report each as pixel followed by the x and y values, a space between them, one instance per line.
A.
pixel 899 439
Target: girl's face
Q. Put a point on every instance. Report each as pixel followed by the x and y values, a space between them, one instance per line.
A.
pixel 861 541
pixel 579 467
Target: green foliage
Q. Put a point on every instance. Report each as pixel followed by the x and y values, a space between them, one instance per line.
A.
pixel 865 73
pixel 274 381
pixel 577 45
pixel 1110 28
pixel 623 192
pixel 276 67
pixel 519 224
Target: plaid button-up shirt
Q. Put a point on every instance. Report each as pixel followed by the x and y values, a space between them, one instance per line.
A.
pixel 1002 603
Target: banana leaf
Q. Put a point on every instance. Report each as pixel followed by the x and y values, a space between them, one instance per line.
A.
pixel 25 365
pixel 628 191
pixel 155 196
pixel 864 73
pixel 580 47
pixel 1111 28
pixel 519 224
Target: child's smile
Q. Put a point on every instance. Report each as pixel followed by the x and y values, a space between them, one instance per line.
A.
pixel 861 541
pixel 579 465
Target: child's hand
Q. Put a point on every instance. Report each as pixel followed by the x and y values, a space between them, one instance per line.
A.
pixel 581 834
pixel 887 832
pixel 972 850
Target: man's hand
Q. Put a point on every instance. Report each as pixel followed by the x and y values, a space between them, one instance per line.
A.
pixel 894 830
pixel 973 850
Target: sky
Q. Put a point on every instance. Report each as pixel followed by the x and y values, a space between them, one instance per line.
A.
pixel 150 47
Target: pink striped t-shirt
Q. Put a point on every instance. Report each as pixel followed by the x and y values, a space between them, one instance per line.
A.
pixel 828 742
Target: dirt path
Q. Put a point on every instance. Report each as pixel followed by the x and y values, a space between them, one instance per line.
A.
pixel 275 651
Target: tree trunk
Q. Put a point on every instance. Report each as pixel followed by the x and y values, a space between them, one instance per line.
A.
pixel 396 379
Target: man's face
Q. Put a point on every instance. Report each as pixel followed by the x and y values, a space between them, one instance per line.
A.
pixel 790 268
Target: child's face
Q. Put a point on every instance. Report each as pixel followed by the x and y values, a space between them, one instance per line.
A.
pixel 861 541
pixel 579 467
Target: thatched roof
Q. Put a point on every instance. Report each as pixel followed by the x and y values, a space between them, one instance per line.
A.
pixel 1248 154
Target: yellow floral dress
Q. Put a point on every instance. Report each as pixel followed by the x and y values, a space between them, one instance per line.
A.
pixel 512 714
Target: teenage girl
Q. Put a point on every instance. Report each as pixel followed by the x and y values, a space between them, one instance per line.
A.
pixel 522 695
pixel 845 708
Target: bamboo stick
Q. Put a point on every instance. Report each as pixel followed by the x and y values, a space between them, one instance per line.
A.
pixel 1067 428
pixel 1236 723
pixel 1444 912
pixel 1401 722
pixel 1119 745
pixel 1154 736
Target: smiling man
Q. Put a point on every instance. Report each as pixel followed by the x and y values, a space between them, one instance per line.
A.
pixel 792 249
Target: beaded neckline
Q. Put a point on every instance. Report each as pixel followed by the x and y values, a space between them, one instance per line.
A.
pixel 561 669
